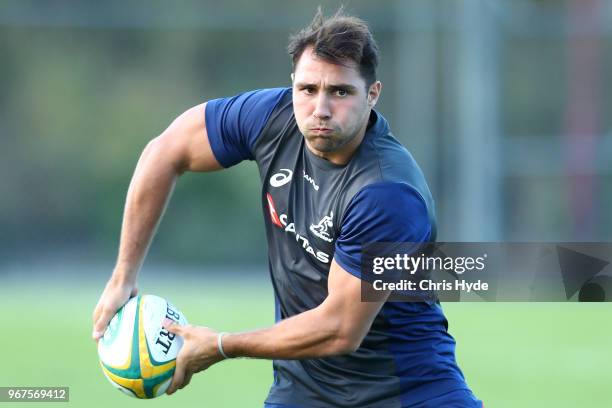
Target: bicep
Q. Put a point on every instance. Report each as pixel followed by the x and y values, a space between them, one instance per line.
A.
pixel 344 302
pixel 186 144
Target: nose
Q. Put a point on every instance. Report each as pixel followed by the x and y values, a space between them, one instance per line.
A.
pixel 322 109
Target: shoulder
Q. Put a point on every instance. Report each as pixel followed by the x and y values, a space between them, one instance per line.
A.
pixel 393 159
pixel 235 123
pixel 242 105
pixel 384 170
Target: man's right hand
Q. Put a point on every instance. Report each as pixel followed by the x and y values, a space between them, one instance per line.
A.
pixel 116 293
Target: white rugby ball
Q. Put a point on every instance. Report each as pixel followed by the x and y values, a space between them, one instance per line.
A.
pixel 137 354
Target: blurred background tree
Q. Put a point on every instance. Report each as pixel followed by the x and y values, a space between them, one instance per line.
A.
pixel 502 103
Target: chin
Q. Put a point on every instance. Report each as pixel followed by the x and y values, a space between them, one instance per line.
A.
pixel 322 143
pixel 323 147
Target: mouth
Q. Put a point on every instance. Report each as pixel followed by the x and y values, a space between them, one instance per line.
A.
pixel 321 130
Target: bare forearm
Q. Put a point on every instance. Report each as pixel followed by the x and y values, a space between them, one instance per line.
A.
pixel 311 334
pixel 148 194
pixel 336 326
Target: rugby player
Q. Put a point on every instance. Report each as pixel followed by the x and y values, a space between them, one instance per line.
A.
pixel 333 178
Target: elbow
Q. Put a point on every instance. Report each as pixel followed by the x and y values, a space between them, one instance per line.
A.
pixel 154 149
pixel 348 343
pixel 160 151
pixel 344 332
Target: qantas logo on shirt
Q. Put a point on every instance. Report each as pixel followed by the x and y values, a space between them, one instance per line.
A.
pixel 273 213
pixel 281 178
pixel 282 222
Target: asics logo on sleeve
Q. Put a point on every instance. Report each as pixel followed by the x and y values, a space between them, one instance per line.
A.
pixel 281 178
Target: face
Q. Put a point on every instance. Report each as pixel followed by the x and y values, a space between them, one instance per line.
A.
pixel 331 105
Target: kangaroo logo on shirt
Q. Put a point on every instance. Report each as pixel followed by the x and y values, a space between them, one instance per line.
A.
pixel 323 228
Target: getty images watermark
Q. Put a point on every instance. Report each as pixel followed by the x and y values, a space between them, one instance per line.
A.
pixel 461 271
pixel 412 264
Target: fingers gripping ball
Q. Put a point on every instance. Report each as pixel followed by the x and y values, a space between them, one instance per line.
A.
pixel 137 354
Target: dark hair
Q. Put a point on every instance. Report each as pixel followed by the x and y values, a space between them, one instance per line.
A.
pixel 338 39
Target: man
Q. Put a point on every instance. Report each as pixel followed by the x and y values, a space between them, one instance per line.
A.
pixel 334 178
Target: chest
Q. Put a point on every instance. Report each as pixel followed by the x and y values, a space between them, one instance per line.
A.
pixel 303 202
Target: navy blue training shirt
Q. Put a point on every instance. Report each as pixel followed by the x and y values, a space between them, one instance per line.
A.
pixel 316 211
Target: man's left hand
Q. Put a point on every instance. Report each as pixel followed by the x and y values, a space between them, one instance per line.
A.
pixel 199 352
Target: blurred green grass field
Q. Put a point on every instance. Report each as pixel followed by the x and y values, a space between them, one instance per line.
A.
pixel 513 355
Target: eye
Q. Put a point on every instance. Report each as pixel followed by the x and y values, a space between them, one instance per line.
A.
pixel 341 93
pixel 308 90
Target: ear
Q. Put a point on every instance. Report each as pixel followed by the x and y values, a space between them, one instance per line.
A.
pixel 374 93
pixel 292 77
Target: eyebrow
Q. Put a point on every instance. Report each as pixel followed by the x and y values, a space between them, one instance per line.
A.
pixel 347 87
